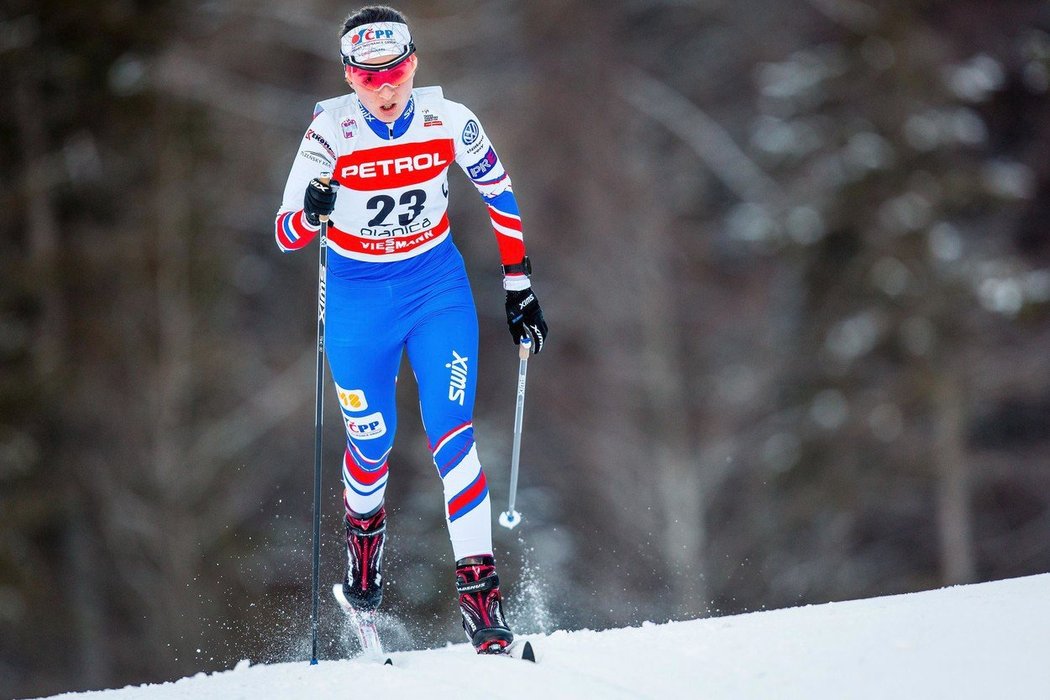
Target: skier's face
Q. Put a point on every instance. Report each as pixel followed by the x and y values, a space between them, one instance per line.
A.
pixel 388 101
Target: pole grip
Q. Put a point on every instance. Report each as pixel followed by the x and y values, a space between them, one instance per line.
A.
pixel 524 347
pixel 326 177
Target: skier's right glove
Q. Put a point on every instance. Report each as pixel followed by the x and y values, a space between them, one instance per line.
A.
pixel 524 317
pixel 319 200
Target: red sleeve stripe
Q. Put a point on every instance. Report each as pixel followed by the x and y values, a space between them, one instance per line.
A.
pixel 509 221
pixel 286 238
pixel 510 251
pixel 507 228
pixel 509 233
pixel 292 233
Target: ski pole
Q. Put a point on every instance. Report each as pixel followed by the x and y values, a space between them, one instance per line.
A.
pixel 510 518
pixel 322 278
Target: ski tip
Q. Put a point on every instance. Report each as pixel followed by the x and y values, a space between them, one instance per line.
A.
pixel 388 662
pixel 527 653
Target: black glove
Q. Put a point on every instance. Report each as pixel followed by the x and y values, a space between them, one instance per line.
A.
pixel 319 200
pixel 525 318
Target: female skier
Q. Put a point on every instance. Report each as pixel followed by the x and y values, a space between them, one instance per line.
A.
pixel 396 283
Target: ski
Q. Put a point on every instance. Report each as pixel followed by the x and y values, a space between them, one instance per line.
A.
pixel 364 626
pixel 522 651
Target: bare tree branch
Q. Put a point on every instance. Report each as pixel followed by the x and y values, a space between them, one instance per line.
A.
pixel 178 73
pixel 852 14
pixel 708 139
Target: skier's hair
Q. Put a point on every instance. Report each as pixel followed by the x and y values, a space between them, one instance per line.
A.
pixel 370 14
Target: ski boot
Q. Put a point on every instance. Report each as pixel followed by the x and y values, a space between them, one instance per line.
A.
pixel 482 605
pixel 363 584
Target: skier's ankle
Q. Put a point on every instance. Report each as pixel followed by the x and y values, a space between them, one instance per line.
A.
pixel 368 521
pixel 476 560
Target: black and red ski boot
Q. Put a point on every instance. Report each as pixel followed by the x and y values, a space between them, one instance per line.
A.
pixel 482 605
pixel 363 584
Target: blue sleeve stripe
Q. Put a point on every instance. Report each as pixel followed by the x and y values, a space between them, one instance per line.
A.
pixel 505 202
pixel 288 230
pixel 498 180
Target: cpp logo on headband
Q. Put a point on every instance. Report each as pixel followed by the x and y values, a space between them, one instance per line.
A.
pixel 370 34
pixel 376 40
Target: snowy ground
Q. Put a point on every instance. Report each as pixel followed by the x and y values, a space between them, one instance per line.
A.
pixel 989 640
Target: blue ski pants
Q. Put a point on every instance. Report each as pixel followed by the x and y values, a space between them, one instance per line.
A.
pixel 424 307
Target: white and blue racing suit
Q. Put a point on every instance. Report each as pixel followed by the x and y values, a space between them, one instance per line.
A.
pixel 396 283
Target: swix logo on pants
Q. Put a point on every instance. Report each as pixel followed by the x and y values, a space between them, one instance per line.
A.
pixel 457 382
pixel 394 166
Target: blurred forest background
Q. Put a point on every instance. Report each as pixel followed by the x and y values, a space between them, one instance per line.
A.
pixel 794 255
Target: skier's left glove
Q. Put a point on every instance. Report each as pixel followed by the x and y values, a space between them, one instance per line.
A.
pixel 524 317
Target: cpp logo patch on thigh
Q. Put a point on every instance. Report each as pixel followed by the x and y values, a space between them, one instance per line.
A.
pixel 366 427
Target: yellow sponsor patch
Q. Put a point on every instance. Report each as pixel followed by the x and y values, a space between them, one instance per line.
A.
pixel 351 399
